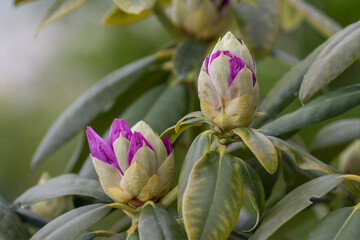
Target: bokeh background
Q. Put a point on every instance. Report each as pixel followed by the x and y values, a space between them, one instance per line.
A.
pixel 40 77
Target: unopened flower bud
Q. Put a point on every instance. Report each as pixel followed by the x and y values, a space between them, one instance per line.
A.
pixel 350 158
pixel 227 85
pixel 133 165
pixel 54 207
pixel 204 19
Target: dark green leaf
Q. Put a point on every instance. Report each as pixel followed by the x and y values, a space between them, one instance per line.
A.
pixel 293 203
pixel 87 236
pixel 57 10
pixel 285 90
pixel 319 20
pixel 19 2
pixel 73 223
pixel 120 236
pixel 261 146
pixel 212 198
pixel 336 133
pixel 199 147
pixel 323 107
pixel 11 228
pixel 254 189
pixel 342 223
pixel 157 223
pixel 336 56
pixel 68 184
pixel 170 106
pixel 91 103
pixel 302 158
pixel 259 24
pixel 188 55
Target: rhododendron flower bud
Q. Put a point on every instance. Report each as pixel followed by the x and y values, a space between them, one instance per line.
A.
pixel 134 165
pixel 350 158
pixel 227 85
pixel 204 19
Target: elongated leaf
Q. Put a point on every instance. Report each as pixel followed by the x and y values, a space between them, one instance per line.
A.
pixel 324 107
pixel 173 134
pixel 171 105
pixel 293 203
pixel 342 223
pixel 291 18
pixel 261 146
pixel 254 189
pixel 116 16
pixel 285 90
pixel 157 223
pixel 331 62
pixel 259 24
pixel 134 6
pixel 90 104
pixel 19 2
pixel 319 20
pixel 302 158
pixel 306 161
pixel 336 133
pixel 73 223
pixel 11 227
pixel 199 147
pixel 68 184
pixel 57 10
pixel 212 198
pixel 189 54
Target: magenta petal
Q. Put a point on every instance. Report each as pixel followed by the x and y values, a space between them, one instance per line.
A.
pixel 137 141
pixel 227 53
pixel 100 149
pixel 236 64
pixel 118 126
pixel 167 144
pixel 215 55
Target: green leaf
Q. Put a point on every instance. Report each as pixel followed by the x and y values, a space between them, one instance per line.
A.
pixel 173 134
pixel 116 16
pixel 199 147
pixel 157 223
pixel 293 203
pixel 319 20
pixel 57 10
pixel 11 227
pixel 68 184
pixel 254 189
pixel 335 58
pixel 291 18
pixel 285 90
pixel 259 25
pixel 134 6
pixel 188 55
pixel 302 158
pixel 212 198
pixel 171 105
pixel 323 107
pixel 20 2
pixel 336 133
pixel 125 236
pixel 86 236
pixel 342 223
pixel 116 86
pixel 261 146
pixel 73 223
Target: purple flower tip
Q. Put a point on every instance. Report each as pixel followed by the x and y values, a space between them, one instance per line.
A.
pixel 236 64
pixel 167 144
pixel 137 141
pixel 100 149
pixel 119 126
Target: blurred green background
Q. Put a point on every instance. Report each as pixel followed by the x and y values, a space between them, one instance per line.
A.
pixel 40 77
